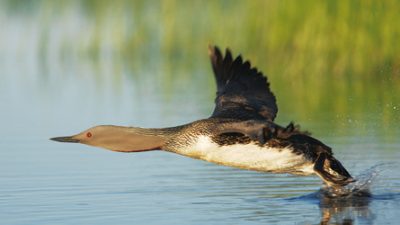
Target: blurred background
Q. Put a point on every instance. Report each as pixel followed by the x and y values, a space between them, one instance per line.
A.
pixel 337 57
pixel 69 65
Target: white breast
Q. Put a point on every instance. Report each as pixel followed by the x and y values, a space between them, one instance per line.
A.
pixel 248 156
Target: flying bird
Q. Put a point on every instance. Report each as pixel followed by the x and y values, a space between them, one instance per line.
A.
pixel 240 133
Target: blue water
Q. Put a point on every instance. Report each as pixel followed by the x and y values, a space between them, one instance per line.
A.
pixel 44 182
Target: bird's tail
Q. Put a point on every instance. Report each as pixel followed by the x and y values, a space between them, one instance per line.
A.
pixel 331 171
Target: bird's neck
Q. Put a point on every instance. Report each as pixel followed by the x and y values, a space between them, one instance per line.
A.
pixel 133 139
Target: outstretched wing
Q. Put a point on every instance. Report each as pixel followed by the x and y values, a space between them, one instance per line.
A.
pixel 242 91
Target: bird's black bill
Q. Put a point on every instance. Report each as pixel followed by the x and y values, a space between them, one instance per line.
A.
pixel 65 139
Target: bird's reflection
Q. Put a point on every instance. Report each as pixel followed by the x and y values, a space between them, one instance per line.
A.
pixel 345 209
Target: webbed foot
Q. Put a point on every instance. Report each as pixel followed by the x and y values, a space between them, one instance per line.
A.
pixel 331 170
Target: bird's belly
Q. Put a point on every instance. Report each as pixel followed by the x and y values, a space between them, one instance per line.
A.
pixel 249 156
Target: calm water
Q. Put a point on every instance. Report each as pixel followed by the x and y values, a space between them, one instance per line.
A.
pixel 47 94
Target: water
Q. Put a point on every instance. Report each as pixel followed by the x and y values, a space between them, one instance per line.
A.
pixel 55 90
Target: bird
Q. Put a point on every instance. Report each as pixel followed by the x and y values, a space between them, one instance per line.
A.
pixel 240 132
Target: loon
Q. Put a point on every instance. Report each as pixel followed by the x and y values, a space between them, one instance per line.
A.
pixel 240 133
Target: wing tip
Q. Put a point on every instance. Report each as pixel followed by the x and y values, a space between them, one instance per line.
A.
pixel 214 51
pixel 227 60
pixel 236 75
pixel 215 56
pixel 211 49
pixel 226 67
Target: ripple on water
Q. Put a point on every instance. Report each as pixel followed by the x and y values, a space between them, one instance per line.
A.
pixel 360 188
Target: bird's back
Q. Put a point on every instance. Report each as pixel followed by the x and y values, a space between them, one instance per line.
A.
pixel 207 140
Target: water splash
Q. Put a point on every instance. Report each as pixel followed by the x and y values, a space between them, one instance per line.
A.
pixel 359 188
pixel 344 205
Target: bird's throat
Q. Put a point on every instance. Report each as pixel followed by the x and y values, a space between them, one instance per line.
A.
pixel 128 139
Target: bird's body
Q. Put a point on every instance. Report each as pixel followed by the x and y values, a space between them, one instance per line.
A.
pixel 247 155
pixel 203 140
pixel 240 133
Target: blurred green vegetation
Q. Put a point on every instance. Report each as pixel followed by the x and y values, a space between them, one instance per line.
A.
pixel 339 57
pixel 312 38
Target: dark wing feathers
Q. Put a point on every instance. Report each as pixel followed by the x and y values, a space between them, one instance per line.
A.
pixel 242 91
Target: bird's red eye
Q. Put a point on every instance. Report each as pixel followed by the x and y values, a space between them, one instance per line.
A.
pixel 88 134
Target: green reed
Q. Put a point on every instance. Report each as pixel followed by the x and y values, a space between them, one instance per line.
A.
pixel 340 57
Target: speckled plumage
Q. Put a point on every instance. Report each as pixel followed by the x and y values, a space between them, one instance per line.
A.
pixel 240 132
pixel 243 116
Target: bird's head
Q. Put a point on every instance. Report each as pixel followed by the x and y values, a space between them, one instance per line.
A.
pixel 117 138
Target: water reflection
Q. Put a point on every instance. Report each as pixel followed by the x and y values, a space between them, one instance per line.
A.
pixel 345 210
pixel 351 209
pixel 270 198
